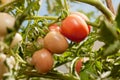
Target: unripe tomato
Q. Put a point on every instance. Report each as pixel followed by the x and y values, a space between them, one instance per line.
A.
pixel 42 60
pixel 83 16
pixel 55 42
pixel 78 65
pixel 54 27
pixel 5 1
pixel 74 28
pixel 17 38
pixel 6 22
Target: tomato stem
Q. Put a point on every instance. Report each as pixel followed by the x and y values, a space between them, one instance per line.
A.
pixel 52 75
pixel 8 4
pixel 42 17
pixel 92 24
pixel 110 5
pixel 66 5
pixel 99 5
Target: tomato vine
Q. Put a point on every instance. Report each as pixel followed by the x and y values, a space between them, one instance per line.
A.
pixel 31 40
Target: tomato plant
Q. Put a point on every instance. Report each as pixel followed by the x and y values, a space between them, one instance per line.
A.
pixel 74 28
pixel 42 60
pixel 55 42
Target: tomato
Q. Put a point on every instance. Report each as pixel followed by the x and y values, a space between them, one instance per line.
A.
pixel 54 27
pixel 3 68
pixel 78 65
pixel 6 22
pixel 5 1
pixel 83 16
pixel 74 28
pixel 17 38
pixel 55 42
pixel 42 60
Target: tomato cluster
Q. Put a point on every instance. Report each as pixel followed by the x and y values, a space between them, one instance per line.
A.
pixel 54 42
pixel 74 28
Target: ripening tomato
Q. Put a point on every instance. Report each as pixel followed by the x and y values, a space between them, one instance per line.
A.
pixel 55 42
pixel 78 65
pixel 6 22
pixel 17 38
pixel 83 16
pixel 54 27
pixel 74 28
pixel 42 60
pixel 5 1
pixel 3 68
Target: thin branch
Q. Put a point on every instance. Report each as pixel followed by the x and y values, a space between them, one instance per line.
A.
pixel 110 6
pixel 100 6
pixel 8 4
pixel 42 17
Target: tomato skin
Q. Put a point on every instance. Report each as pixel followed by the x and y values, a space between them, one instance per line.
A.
pixel 43 61
pixel 55 42
pixel 74 28
pixel 3 68
pixel 78 65
pixel 6 21
pixel 54 27
pixel 83 16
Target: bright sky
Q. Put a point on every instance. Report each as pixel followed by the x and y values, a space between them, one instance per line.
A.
pixel 77 6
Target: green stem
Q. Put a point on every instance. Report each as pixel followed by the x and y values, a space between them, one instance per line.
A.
pixel 20 17
pixel 99 5
pixel 5 5
pixel 52 75
pixel 92 24
pixel 66 5
pixel 42 17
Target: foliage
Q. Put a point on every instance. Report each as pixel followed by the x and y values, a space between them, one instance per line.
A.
pixel 31 25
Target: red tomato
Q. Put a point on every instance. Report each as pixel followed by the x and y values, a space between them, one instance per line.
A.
pixel 54 27
pixel 83 16
pixel 55 42
pixel 78 65
pixel 42 60
pixel 74 28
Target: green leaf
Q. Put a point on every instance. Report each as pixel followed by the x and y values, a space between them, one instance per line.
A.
pixel 112 49
pixel 115 71
pixel 84 76
pixel 98 65
pixel 118 18
pixel 108 32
